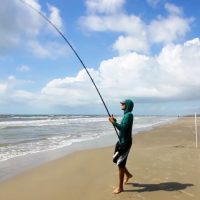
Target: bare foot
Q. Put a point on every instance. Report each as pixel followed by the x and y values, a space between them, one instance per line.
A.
pixel 127 178
pixel 117 190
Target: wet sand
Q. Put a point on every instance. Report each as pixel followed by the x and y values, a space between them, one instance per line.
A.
pixel 164 161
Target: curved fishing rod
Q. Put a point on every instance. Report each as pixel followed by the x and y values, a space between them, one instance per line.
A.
pixel 65 39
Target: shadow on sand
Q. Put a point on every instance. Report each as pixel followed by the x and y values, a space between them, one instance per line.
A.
pixel 168 186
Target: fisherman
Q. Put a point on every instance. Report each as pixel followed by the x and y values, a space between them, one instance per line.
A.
pixel 124 144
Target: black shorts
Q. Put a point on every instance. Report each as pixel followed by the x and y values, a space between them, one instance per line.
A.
pixel 121 153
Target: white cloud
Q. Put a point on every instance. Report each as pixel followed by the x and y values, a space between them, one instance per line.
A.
pixel 25 26
pixel 173 9
pixel 33 3
pixel 15 25
pixel 104 6
pixel 139 35
pixel 22 96
pixel 127 44
pixel 24 68
pixel 195 42
pixel 165 30
pixel 172 75
pixel 71 90
pixel 181 64
pixel 3 88
pixel 11 94
pixel 50 50
pixel 11 78
pixel 131 27
pixel 116 23
pixel 37 49
pixel 55 16
pixel 153 3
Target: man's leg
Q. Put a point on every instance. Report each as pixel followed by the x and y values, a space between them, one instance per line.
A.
pixel 121 179
pixel 128 175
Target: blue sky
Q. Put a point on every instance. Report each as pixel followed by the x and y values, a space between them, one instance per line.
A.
pixel 145 50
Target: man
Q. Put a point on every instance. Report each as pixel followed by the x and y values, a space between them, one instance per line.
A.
pixel 124 144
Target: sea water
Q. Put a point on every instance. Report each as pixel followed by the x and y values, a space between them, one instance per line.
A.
pixel 27 141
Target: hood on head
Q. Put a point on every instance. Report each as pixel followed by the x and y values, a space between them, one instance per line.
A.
pixel 129 105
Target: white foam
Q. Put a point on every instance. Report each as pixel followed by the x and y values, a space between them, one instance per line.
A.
pixel 83 129
pixel 51 143
pixel 49 122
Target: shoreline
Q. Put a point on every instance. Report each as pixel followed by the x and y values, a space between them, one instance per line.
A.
pixel 18 165
pixel 164 162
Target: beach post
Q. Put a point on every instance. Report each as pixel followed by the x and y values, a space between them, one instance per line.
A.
pixel 196 130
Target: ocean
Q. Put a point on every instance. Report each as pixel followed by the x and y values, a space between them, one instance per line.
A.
pixel 27 141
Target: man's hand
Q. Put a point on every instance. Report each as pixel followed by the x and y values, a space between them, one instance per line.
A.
pixel 112 119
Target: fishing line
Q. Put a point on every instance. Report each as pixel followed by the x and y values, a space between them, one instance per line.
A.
pixel 66 40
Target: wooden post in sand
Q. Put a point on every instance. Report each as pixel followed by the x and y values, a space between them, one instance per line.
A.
pixel 196 130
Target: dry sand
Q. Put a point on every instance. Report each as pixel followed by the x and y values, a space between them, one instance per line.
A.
pixel 164 161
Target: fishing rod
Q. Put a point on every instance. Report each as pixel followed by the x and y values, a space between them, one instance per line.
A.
pixel 66 40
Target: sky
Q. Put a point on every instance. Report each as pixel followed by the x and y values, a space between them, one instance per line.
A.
pixel 144 50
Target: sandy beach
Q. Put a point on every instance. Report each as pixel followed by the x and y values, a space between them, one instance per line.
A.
pixel 164 161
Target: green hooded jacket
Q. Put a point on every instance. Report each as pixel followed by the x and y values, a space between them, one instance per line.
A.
pixel 125 127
